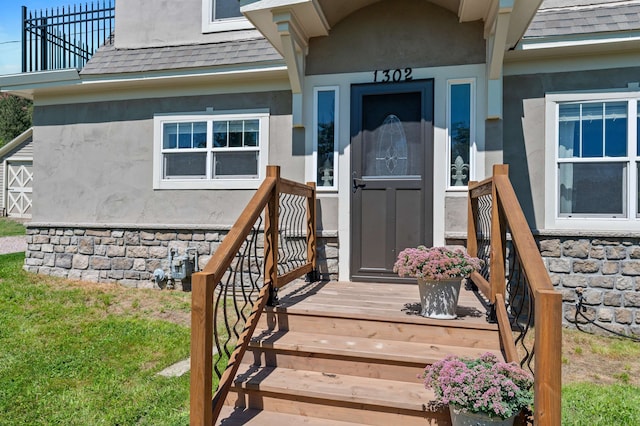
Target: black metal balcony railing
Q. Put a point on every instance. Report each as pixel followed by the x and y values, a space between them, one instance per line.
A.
pixel 60 38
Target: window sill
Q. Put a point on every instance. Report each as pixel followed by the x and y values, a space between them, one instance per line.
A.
pixel 208 184
pixel 226 25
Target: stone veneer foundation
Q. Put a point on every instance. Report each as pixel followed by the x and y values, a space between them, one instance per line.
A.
pixel 607 269
pixel 129 256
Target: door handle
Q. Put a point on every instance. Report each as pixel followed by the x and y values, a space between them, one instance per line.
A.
pixel 357 184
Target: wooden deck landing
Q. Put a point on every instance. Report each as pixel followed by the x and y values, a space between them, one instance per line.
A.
pixel 389 302
pixel 348 353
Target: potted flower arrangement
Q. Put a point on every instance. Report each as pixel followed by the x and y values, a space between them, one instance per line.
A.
pixel 439 271
pixel 480 391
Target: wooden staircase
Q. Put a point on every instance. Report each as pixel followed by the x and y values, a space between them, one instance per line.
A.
pixel 349 354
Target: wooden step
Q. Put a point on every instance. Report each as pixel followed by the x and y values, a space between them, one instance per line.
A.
pixel 233 417
pixel 336 397
pixel 391 351
pixel 403 329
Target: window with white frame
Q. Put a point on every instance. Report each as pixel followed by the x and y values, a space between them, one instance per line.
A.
pixel 210 151
pixel 325 137
pixel 460 131
pixel 595 159
pixel 223 15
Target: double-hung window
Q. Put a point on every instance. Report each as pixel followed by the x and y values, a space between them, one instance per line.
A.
pixel 222 15
pixel 210 151
pixel 593 152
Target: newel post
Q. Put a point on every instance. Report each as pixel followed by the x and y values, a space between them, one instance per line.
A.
pixel 311 233
pixel 202 290
pixel 271 236
pixel 498 238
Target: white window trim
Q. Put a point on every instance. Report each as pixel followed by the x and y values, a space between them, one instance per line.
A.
pixel 552 219
pixel 473 148
pixel 212 26
pixel 336 132
pixel 209 117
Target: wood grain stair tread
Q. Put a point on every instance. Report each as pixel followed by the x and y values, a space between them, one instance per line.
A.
pixel 339 388
pixel 361 313
pixel 362 347
pixel 230 416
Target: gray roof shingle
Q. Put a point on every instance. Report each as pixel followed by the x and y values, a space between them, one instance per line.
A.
pixel 575 17
pixel 109 60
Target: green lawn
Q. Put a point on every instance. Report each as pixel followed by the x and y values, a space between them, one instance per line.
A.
pixel 87 356
pixel 600 405
pixel 10 227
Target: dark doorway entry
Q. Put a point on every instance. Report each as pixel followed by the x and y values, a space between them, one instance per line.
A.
pixel 392 174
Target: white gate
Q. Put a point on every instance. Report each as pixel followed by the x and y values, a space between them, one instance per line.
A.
pixel 19 188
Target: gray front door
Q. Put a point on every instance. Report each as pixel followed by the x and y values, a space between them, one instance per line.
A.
pixel 392 174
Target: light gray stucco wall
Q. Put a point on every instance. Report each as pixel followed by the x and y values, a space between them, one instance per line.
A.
pixel 95 162
pixel 524 126
pixel 146 23
pixel 383 36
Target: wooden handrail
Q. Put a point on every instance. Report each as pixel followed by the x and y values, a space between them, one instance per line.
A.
pixel 231 243
pixel 204 409
pixel 547 318
pixel 534 268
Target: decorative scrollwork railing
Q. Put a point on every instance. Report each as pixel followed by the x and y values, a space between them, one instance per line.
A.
pixel 272 243
pixel 516 283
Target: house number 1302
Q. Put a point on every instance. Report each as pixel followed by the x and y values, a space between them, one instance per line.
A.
pixel 395 76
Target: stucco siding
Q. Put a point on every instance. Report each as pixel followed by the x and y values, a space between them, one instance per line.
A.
pixel 383 36
pixel 524 126
pixel 102 157
pixel 165 23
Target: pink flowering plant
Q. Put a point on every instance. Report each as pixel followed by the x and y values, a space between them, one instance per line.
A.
pixel 480 385
pixel 435 263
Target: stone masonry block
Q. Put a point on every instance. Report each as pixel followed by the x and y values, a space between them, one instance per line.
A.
pixel 85 245
pixel 578 249
pixel 80 261
pixel 624 316
pixel 185 236
pixel 49 259
pixel 605 314
pixel 47 248
pixel 624 283
pixel 166 236
pixel 131 238
pixel 631 267
pixel 592 297
pixel 616 253
pixel 612 298
pixel 586 266
pixel 117 234
pixel 601 282
pixel 121 263
pixel 573 281
pixel 138 252
pixel 550 248
pixel 64 260
pixel 560 265
pixel 41 239
pixel 632 300
pixel 116 251
pixel 100 263
pixel 610 268
pixel 555 279
pixel 158 252
pixel 634 252
pixel 597 253
pixel 98 233
pixel 139 264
